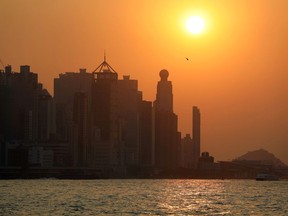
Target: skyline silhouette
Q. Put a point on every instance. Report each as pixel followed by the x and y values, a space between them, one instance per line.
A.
pixel 236 73
pixel 98 126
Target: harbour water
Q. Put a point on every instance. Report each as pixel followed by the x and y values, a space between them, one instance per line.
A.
pixel 143 197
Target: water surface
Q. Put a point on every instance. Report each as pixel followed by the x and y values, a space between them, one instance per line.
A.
pixel 141 197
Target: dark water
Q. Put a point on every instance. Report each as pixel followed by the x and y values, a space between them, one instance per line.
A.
pixel 140 197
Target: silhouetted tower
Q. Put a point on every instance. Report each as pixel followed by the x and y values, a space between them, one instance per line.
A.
pixel 164 97
pixel 104 99
pixel 19 104
pixel 146 134
pixel 46 115
pixel 166 134
pixel 105 131
pixel 80 130
pixel 64 89
pixel 116 107
pixel 196 132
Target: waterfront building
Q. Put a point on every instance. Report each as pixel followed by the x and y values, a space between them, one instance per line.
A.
pixel 167 139
pixel 65 86
pixel 196 129
pixel 80 129
pixel 186 159
pixel 116 106
pixel 26 116
pixel 69 90
pixel 129 105
pixel 147 150
pixel 106 130
pixel 164 95
pixel 19 104
pixel 46 115
pixel 122 122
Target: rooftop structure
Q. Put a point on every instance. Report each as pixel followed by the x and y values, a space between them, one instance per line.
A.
pixel 104 71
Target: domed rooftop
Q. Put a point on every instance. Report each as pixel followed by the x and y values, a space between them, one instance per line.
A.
pixel 164 74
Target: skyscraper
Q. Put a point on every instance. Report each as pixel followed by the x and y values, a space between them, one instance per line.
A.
pixel 166 124
pixel 80 129
pixel 19 104
pixel 129 105
pixel 65 87
pixel 106 133
pixel 196 133
pixel 164 96
pixel 187 152
pixel 26 115
pixel 116 107
pixel 146 134
pixel 46 115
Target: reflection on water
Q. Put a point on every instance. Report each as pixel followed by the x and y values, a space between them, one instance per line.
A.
pixel 134 197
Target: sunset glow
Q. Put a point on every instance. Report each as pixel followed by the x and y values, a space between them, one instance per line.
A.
pixel 195 24
pixel 228 58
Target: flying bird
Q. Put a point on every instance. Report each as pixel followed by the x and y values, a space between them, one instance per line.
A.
pixel 187 59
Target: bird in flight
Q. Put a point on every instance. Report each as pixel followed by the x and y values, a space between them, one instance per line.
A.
pixel 187 59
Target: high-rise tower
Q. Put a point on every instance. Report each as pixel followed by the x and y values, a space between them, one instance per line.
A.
pixel 116 112
pixel 65 88
pixel 80 130
pixel 196 133
pixel 165 124
pixel 19 104
pixel 164 97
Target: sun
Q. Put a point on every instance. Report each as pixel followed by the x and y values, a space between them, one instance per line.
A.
pixel 195 24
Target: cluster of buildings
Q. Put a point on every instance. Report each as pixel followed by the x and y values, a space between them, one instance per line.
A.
pixel 94 121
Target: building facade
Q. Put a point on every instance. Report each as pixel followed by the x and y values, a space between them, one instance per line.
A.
pixel 196 131
pixel 167 143
pixel 26 116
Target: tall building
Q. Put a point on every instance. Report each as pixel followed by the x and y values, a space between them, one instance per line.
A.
pixel 122 121
pixel 46 115
pixel 196 133
pixel 19 104
pixel 164 95
pixel 187 154
pixel 80 129
pixel 146 134
pixel 65 87
pixel 166 125
pixel 26 115
pixel 129 103
pixel 68 106
pixel 106 130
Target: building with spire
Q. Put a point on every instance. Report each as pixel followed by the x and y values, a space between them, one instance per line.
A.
pixel 106 137
pixel 101 117
pixel 118 127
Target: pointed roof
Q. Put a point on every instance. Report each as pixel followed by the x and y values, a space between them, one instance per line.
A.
pixel 104 67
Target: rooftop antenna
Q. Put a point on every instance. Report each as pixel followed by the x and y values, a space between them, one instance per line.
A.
pixel 104 67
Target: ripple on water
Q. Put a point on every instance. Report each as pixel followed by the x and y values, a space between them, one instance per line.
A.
pixel 134 197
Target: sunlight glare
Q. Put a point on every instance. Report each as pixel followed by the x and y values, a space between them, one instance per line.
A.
pixel 195 24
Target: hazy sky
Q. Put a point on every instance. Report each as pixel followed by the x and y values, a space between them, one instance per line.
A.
pixel 237 73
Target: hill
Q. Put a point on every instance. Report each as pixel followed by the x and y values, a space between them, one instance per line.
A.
pixel 263 157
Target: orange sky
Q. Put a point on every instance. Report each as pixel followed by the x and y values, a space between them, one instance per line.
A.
pixel 237 72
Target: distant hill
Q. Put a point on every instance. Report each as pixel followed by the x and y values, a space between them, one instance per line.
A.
pixel 262 156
